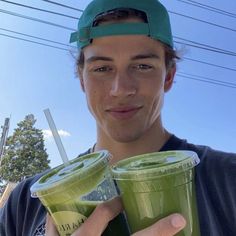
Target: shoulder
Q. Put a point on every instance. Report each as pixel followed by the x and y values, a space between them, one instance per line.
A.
pixel 19 206
pixel 206 154
pixel 213 157
pixel 216 190
pixel 216 168
pixel 22 190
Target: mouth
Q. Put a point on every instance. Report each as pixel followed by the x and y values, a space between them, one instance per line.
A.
pixel 123 113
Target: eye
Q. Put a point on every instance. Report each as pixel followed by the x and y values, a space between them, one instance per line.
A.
pixel 102 69
pixel 143 67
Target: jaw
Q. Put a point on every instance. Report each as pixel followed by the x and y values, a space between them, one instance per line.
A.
pixel 124 142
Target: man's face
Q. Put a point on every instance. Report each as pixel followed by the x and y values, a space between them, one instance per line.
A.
pixel 124 79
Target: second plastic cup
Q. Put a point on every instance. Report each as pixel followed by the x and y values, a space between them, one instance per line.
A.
pixel 155 185
pixel 71 192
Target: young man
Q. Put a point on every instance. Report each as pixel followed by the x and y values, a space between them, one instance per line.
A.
pixel 126 65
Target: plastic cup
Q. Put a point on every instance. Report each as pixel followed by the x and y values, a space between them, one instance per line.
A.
pixel 157 184
pixel 71 192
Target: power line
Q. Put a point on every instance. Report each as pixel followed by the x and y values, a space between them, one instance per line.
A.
pixel 186 1
pixel 207 78
pixel 221 51
pixel 186 58
pixel 31 41
pixel 205 47
pixel 206 81
pixel 209 8
pixel 189 17
pixel 35 19
pixel 39 9
pixel 203 21
pixel 185 75
pixel 213 49
pixel 210 81
pixel 208 46
pixel 31 18
pixel 31 36
pixel 210 64
pixel 63 5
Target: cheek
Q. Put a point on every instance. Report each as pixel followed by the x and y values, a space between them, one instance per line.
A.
pixel 159 100
pixel 154 86
pixel 96 94
pixel 94 89
pixel 156 107
pixel 92 98
pixel 94 86
pixel 155 95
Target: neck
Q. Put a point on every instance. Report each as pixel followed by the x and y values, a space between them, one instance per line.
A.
pixel 151 141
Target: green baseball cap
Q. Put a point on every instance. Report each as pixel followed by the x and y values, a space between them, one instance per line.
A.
pixel 157 27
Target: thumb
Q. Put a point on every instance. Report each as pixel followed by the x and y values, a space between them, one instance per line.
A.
pixel 167 226
pixel 98 220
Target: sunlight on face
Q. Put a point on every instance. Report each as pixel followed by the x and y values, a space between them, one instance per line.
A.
pixel 124 81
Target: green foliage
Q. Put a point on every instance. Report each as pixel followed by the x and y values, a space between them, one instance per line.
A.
pixel 2 187
pixel 25 153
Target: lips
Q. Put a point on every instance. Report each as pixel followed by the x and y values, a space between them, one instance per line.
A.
pixel 122 113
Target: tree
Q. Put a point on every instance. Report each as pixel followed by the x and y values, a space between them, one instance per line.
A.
pixel 2 187
pixel 25 153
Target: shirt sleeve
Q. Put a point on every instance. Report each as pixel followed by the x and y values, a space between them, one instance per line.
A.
pixel 21 213
pixel 8 214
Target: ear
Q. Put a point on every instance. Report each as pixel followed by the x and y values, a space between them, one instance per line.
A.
pixel 81 79
pixel 169 78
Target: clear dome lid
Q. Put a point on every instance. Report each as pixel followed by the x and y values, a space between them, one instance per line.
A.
pixel 153 165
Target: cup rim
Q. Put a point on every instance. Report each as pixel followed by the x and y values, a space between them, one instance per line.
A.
pixel 100 162
pixel 185 160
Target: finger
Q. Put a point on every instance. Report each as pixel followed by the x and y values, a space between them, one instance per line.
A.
pixel 50 229
pixel 167 226
pixel 99 219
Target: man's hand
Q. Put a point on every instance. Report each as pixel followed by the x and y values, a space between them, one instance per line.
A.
pixel 167 226
pixel 105 212
pixel 97 221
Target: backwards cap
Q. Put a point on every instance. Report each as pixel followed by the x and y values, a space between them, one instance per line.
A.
pixel 157 26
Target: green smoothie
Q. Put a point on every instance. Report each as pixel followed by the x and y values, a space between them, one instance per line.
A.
pixel 70 193
pixel 155 185
pixel 67 220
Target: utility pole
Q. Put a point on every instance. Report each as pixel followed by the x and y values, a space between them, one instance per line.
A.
pixel 5 129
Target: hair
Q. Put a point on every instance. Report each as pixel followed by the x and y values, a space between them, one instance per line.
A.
pixel 171 55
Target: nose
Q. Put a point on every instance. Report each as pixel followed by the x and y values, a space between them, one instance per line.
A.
pixel 123 85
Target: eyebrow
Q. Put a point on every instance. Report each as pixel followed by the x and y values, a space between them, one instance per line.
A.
pixel 98 58
pixel 136 57
pixel 145 56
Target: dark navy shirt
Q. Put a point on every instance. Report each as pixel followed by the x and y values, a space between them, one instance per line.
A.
pixel 215 187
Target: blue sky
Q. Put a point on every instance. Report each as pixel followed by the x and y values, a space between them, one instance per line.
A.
pixel 35 77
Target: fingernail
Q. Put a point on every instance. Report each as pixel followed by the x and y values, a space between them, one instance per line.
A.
pixel 178 221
